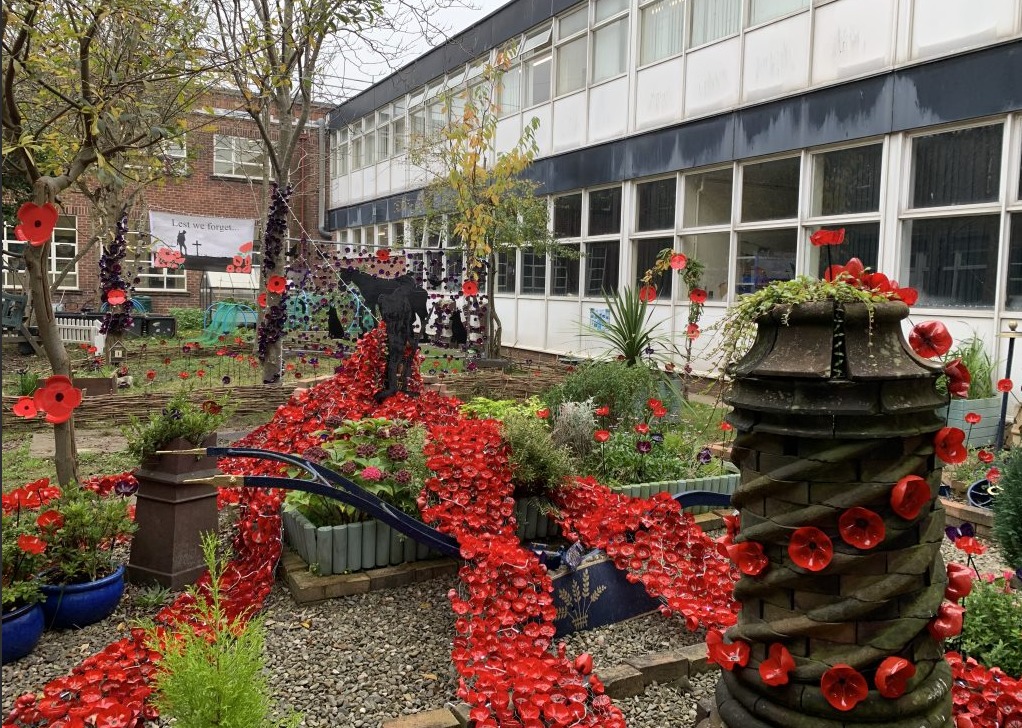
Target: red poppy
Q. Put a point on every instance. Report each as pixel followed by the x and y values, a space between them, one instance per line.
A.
pixel 166 360
pixel 654 403
pixel 748 556
pixel 726 655
pixel 929 339
pixel 37 223
pixel 31 544
pixel 584 663
pixel 958 378
pixel 827 237
pixel 973 418
pixel 993 474
pixel 543 413
pixel 116 297
pixel 470 288
pixel 150 374
pixel 1004 385
pixel 383 255
pixel 861 528
pixel 697 295
pixel 726 426
pixel 909 495
pixel 948 622
pixel 985 456
pixel 774 670
pixel 647 294
pixel 602 411
pixel 642 428
pixel 892 675
pixel 678 261
pixel 949 445
pixel 58 398
pixel 810 548
pixel 908 295
pixel 959 582
pixel 692 331
pixel 50 519
pixel 659 412
pixel 183 375
pixel 843 686
pixel 601 435
pixel 200 373
pixel 261 300
pixel 211 408
pixel 25 407
pixel 276 284
pixel 970 545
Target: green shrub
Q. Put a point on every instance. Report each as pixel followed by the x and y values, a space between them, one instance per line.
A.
pixel 623 388
pixel 188 318
pixel 992 629
pixel 483 408
pixel 538 464
pixel 629 332
pixel 1007 507
pixel 574 425
pixel 180 418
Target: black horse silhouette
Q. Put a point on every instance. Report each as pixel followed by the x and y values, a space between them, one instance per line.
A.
pixel 372 288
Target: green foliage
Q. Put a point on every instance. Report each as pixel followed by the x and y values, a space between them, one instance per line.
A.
pixel 992 629
pixel 628 332
pixel 20 586
pixel 1007 507
pixel 482 408
pixel 213 676
pixel 973 353
pixel 152 597
pixel 26 384
pixel 538 464
pixel 623 388
pixel 574 424
pixel 180 418
pixel 82 549
pixel 188 319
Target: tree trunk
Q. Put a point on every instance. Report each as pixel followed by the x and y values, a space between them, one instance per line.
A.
pixel 273 318
pixel 493 325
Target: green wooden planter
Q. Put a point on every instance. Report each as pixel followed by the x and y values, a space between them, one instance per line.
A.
pixel 715 484
pixel 983 434
pixel 351 547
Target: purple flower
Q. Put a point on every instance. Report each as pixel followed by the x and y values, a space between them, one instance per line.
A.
pixel 348 468
pixel 365 450
pixel 126 487
pixel 643 446
pixel 397 452
pixel 403 477
pixel 226 380
pixel 657 437
pixel 704 456
pixel 316 454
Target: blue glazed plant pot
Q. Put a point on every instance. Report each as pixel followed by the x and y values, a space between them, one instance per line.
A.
pixel 77 605
pixel 22 628
pixel 978 496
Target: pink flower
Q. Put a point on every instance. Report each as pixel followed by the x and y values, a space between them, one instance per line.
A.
pixel 371 473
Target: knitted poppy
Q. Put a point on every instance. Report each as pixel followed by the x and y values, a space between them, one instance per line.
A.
pixel 25 407
pixel 383 255
pixel 58 398
pixel 861 528
pixel 276 284
pixel 1005 385
pixel 543 413
pixel 929 339
pixel 985 456
pixel 843 686
pixel 261 300
pixel 31 544
pixel 973 418
pixel 692 331
pixel 601 435
pixel 827 237
pixel 909 495
pixel 602 411
pixel 37 223
pixel 892 675
pixel 810 548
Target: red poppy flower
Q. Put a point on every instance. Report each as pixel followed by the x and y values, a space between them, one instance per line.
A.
pixel 908 295
pixel 116 297
pixel 200 373
pixel 276 284
pixel 993 474
pixel 166 361
pixel 892 675
pixel 678 261
pixel 659 412
pixel 543 413
pixel 37 223
pixel 25 407
pixel 470 288
pixel 183 375
pixel 949 445
pixel 1005 385
pixel 774 670
pixel 843 686
pixel 642 428
pixel 697 295
pixel 973 418
pixel 150 374
pixel 748 556
pixel 725 655
pixel 602 411
pixel 601 435
pixel 985 456
pixel 959 582
pixel 31 544
pixel 692 331
pixel 810 548
pixel 948 622
pixel 958 378
pixel 827 237
pixel 58 398
pixel 383 255
pixel 726 426
pixel 211 408
pixel 647 294
pixel 261 300
pixel 861 528
pixel 50 519
pixel 929 339
pixel 970 545
pixel 909 495
pixel 584 663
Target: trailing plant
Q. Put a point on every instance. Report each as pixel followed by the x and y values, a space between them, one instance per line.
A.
pixel 180 418
pixel 538 464
pixel 622 388
pixel 212 673
pixel 628 332
pixel 992 628
pixel 1007 507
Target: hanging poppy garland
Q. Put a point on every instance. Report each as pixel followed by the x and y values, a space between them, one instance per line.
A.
pixel 115 288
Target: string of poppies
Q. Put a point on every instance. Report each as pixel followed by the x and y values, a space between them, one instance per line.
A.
pixel 115 291
pixel 271 328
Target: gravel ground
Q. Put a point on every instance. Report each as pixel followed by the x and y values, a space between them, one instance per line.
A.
pixel 361 660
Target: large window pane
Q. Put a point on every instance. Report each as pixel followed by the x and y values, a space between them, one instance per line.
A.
pixel 957 167
pixel 565 273
pixel 608 8
pixel 510 91
pixel 610 50
pixel 655 201
pixel 713 19
pixel 765 256
pixel 537 79
pixel 573 22
pixel 764 10
pixel 533 272
pixel 601 266
pixel 646 253
pixel 770 190
pixel 662 28
pixel 953 260
pixel 847 181
pixel 713 251
pixel 708 198
pixel 568 216
pixel 571 66
pixel 506 272
pixel 605 211
pixel 1014 291
pixel 862 241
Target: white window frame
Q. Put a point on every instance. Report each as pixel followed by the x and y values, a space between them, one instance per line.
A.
pixel 141 266
pixel 235 149
pixel 622 17
pixel 642 20
pixel 65 224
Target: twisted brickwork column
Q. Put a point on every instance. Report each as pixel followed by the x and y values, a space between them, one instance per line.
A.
pixel 832 408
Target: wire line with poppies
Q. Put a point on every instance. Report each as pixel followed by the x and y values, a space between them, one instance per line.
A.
pixel 57 398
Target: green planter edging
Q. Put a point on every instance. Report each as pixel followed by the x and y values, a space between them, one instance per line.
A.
pixel 985 432
pixel 715 484
pixel 351 547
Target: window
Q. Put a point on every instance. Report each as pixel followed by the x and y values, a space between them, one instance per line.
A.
pixel 417 122
pixel 605 211
pixel 63 250
pixel 139 261
pixel 509 91
pixel 662 25
pixel 847 181
pixel 565 272
pixel 610 41
pixel 237 157
pixel 714 19
pixel 764 10
pixel 369 149
pixel 339 158
pixel 356 152
pixel 713 250
pixel 862 241
pixel 506 272
pixel 533 272
pixel 770 190
pixel 601 267
pixel 765 256
pixel 646 253
pixel 708 198
pixel 572 55
pixel 655 201
pixel 175 155
pixel 957 167
pixel 952 261
pixel 399 129
pixel 435 116
pixel 1014 290
pixel 568 216
pixel 383 134
pixel 573 22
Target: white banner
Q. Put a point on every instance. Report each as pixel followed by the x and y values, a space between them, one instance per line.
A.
pixel 197 242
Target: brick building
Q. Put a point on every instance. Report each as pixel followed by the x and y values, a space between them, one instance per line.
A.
pixel 219 172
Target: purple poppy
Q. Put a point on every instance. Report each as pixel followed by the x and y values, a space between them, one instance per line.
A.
pixel 704 456
pixel 126 486
pixel 643 446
